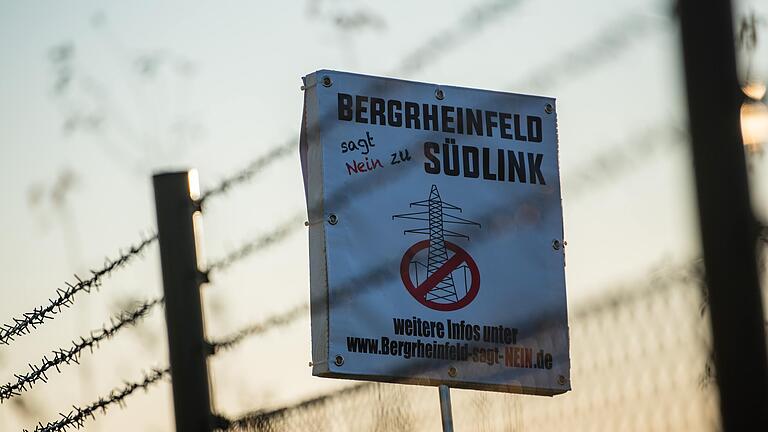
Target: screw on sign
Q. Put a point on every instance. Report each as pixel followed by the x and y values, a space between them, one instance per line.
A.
pixel 433 284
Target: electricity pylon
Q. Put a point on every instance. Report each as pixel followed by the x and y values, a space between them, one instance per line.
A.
pixel 435 215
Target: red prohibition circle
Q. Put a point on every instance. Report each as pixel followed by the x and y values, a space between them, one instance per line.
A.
pixel 420 293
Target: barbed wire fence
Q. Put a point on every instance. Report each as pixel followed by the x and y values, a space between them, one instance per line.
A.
pixel 65 297
pixel 66 356
pixel 400 410
pixel 271 323
pixel 76 417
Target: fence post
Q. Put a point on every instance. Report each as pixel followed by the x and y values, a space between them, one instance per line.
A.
pixel 728 228
pixel 176 195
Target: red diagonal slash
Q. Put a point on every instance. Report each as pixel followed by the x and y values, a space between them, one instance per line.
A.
pixel 452 264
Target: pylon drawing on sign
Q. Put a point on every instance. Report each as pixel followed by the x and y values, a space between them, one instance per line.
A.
pixel 437 255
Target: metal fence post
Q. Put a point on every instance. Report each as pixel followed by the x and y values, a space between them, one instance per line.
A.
pixel 176 205
pixel 728 229
pixel 446 415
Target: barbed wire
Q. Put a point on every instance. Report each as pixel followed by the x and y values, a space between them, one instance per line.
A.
pixel 275 321
pixel 253 168
pixel 263 241
pixel 609 165
pixel 662 279
pixel 76 417
pixel 62 356
pixel 612 36
pixel 612 164
pixel 609 42
pixel 473 20
pixel 65 296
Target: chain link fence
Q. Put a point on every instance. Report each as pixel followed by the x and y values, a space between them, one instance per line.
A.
pixel 640 359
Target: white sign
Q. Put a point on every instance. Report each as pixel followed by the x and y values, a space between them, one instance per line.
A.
pixel 435 235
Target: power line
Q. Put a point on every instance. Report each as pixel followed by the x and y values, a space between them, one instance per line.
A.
pixel 65 296
pixel 61 356
pixel 77 416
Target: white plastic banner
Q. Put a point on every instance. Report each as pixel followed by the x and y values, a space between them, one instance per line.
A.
pixel 436 235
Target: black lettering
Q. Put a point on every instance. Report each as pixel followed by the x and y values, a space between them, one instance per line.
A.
pixel 429 114
pixel 398 324
pixel 534 168
pixel 534 129
pixel 516 166
pixel 430 148
pixel 471 169
pixel 377 111
pixel 446 118
pixel 518 136
pixel 459 120
pixel 394 114
pixel 474 121
pixel 500 160
pixel 412 115
pixel 451 169
pixel 505 126
pixel 345 107
pixel 490 123
pixel 487 174
pixel 361 108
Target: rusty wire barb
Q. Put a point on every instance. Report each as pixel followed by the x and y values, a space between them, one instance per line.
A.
pixel 276 235
pixel 245 174
pixel 275 321
pixel 65 296
pixel 77 416
pixel 26 381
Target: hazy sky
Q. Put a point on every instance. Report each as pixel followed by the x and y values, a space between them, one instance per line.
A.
pixel 95 96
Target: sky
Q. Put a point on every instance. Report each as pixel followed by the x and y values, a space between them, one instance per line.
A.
pixel 97 96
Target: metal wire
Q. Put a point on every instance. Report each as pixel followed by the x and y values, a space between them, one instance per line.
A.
pixel 472 21
pixel 632 367
pixel 259 243
pixel 253 168
pixel 275 321
pixel 609 42
pixel 262 420
pixel 76 417
pixel 61 356
pixel 65 296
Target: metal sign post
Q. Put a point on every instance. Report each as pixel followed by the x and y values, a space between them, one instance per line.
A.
pixel 445 408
